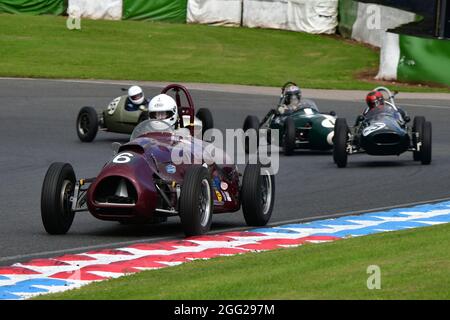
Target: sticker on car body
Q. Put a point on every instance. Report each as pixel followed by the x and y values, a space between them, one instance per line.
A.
pixel 113 106
pixel 308 112
pixel 171 169
pixel 328 122
pixel 374 127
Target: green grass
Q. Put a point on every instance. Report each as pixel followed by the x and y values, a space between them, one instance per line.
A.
pixel 415 264
pixel 42 46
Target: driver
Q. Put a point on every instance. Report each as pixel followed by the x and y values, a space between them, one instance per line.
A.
pixel 291 100
pixel 375 100
pixel 135 99
pixel 163 107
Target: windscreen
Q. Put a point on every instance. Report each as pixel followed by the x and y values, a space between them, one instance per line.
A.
pixel 149 126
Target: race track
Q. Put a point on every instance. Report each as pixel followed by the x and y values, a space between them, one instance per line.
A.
pixel 38 127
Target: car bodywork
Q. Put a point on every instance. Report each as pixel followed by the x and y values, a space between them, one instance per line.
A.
pixel 141 182
pixel 117 119
pixel 382 134
pixel 314 130
pixel 303 128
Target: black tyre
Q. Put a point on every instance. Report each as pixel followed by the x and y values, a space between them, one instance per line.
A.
pixel 57 190
pixel 289 137
pixel 205 116
pixel 87 124
pixel 417 128
pixel 257 195
pixel 251 122
pixel 196 201
pixel 340 140
pixel 426 149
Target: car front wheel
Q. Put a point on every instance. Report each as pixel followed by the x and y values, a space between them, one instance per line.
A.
pixel 340 141
pixel 196 201
pixel 257 195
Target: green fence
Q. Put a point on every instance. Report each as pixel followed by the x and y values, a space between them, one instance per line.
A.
pixel 56 7
pixel 348 11
pixel 424 60
pixel 156 10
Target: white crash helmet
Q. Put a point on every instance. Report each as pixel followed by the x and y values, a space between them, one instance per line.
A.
pixel 136 95
pixel 163 107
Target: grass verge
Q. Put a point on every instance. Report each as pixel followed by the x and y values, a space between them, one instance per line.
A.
pixel 42 46
pixel 415 264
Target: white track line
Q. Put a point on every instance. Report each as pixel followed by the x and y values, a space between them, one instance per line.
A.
pixel 174 237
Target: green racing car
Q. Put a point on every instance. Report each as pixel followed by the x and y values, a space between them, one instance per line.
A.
pixel 300 123
pixel 119 118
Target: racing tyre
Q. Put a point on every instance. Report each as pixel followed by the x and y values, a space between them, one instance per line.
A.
pixel 87 124
pixel 289 137
pixel 417 128
pixel 205 116
pixel 196 201
pixel 251 122
pixel 340 142
pixel 257 195
pixel 425 152
pixel 57 190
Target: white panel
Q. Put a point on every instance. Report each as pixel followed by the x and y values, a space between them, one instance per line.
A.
pixel 98 9
pixel 215 12
pixel 265 14
pixel 313 16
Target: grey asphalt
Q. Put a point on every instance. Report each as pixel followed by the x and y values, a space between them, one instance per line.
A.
pixel 38 128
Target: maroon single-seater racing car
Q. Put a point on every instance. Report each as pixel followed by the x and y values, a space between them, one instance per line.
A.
pixel 143 184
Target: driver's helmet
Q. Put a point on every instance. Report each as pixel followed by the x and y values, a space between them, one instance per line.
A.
pixel 292 96
pixel 163 107
pixel 374 99
pixel 136 95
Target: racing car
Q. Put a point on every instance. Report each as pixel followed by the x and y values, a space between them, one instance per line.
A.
pixel 303 128
pixel 383 132
pixel 115 118
pixel 142 184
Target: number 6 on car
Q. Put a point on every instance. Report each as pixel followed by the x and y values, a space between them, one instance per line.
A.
pixel 123 158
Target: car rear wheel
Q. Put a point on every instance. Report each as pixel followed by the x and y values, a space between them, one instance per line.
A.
pixel 87 124
pixel 417 129
pixel 196 201
pixel 340 140
pixel 57 191
pixel 205 116
pixel 289 137
pixel 426 149
pixel 251 123
pixel 257 195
